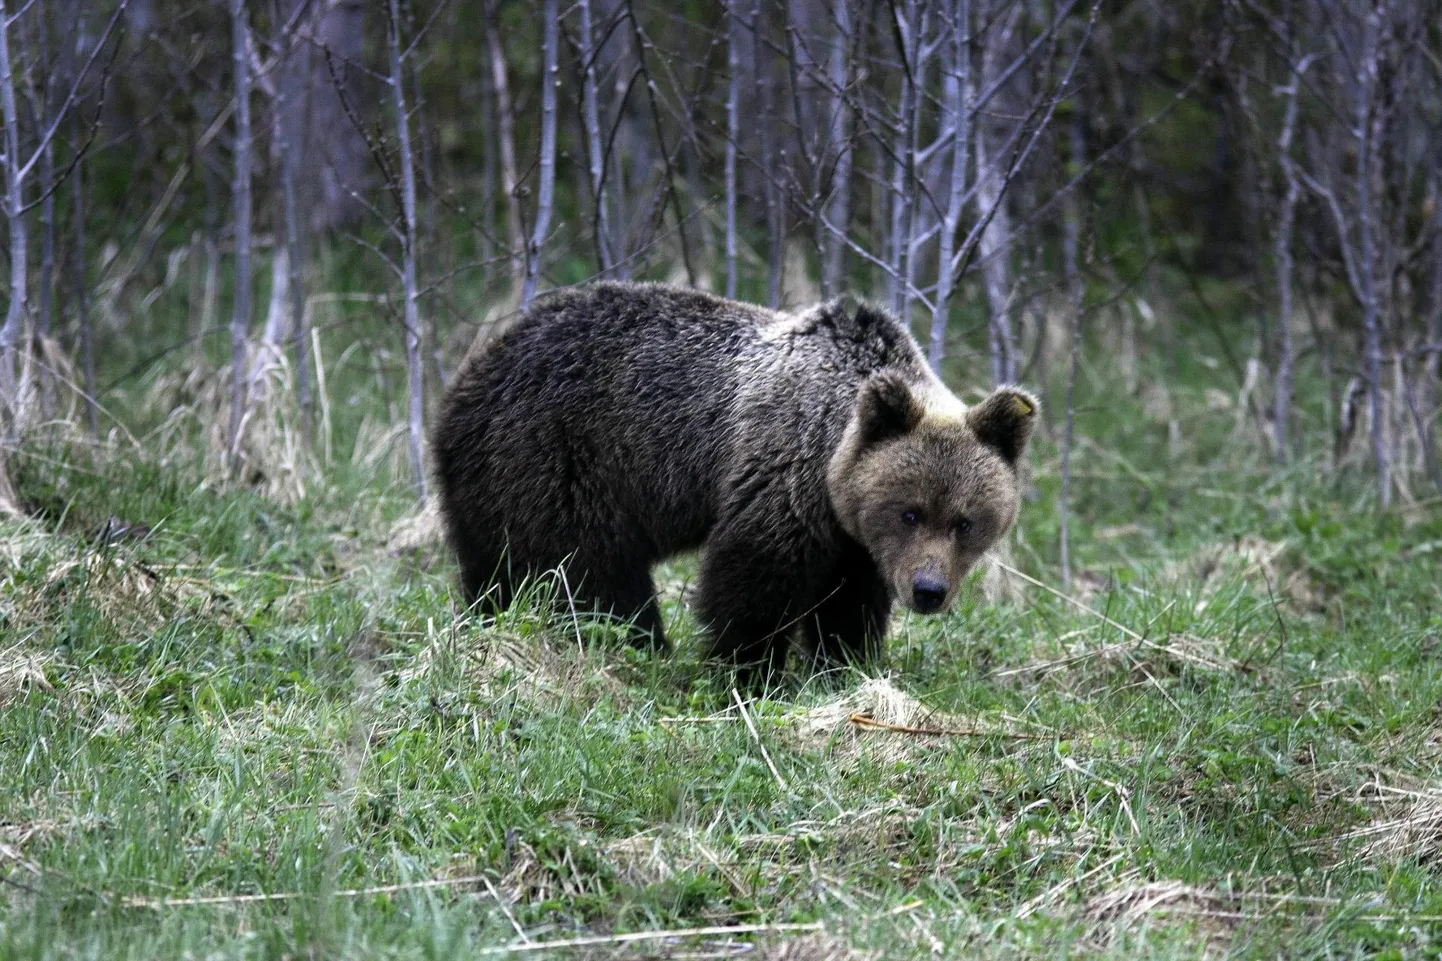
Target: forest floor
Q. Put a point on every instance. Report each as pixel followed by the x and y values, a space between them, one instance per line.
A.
pixel 239 726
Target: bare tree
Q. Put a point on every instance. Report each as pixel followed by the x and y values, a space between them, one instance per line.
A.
pixel 595 153
pixel 991 202
pixel 545 193
pixel 240 308
pixel 956 84
pixel 505 133
pixel 833 271
pixel 414 370
pixel 15 312
pixel 292 102
pixel 1282 404
pixel 733 133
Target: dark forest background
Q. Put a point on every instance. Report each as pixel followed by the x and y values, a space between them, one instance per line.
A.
pixel 232 186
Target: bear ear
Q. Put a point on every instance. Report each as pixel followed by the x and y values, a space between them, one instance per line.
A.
pixel 1004 421
pixel 886 408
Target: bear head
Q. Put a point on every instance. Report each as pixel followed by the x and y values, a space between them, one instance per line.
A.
pixel 927 485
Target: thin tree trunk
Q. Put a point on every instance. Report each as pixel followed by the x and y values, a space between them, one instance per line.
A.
pixel 240 312
pixel 1071 248
pixel 19 245
pixel 82 289
pixel 591 109
pixel 775 214
pixel 956 84
pixel 903 162
pixel 994 245
pixel 1371 314
pixel 291 105
pixel 833 271
pixel 1282 402
pixel 733 131
pixel 545 193
pixel 414 371
pixel 505 131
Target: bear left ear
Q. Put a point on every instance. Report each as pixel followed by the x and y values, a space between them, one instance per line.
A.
pixel 887 408
pixel 1004 421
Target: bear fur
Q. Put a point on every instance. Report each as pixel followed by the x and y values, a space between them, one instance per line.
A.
pixel 814 457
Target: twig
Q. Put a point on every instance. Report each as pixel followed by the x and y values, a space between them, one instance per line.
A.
pixel 867 721
pixel 756 735
pixel 635 936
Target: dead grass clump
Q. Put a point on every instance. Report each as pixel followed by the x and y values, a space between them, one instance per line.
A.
pixel 641 859
pixel 810 947
pixel 897 721
pixel 1251 559
pixel 541 670
pixel 21 671
pixel 1133 907
pixel 272 456
pixel 125 591
pixel 1408 827
pixel 418 531
pixel 533 878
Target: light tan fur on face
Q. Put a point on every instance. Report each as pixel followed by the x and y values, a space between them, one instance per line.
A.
pixel 927 485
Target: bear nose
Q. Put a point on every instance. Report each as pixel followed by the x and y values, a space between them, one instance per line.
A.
pixel 928 592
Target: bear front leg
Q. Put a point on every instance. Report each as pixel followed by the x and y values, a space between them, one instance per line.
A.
pixel 847 626
pixel 748 591
pixel 622 591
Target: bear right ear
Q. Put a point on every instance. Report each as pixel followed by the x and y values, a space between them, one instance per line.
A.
pixel 886 408
pixel 1004 421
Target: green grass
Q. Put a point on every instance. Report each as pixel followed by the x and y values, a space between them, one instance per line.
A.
pixel 262 696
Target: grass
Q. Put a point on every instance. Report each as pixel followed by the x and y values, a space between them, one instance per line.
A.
pixel 1234 748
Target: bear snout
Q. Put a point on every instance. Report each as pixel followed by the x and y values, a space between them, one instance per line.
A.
pixel 928 591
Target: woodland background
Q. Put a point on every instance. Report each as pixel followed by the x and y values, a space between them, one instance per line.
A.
pixel 242 713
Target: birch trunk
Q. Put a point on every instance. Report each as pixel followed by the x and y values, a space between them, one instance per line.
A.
pixel 775 215
pixel 505 131
pixel 240 312
pixel 994 245
pixel 601 227
pixel 733 131
pixel 956 83
pixel 1366 242
pixel 545 193
pixel 902 163
pixel 82 290
pixel 19 244
pixel 291 105
pixel 833 271
pixel 414 371
pixel 1071 244
pixel 1282 402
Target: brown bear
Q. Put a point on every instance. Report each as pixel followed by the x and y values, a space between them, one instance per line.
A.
pixel 821 466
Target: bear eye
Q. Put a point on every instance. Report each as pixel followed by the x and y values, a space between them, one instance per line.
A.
pixel 908 518
pixel 962 527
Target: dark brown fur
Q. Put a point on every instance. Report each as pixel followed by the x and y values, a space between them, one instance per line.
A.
pixel 619 424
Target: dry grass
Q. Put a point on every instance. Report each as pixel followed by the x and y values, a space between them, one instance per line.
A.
pixel 21 671
pixel 1133 908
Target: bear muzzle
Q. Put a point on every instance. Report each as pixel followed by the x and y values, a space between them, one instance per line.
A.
pixel 929 591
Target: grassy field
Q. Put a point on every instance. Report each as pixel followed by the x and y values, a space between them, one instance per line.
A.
pixel 236 725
